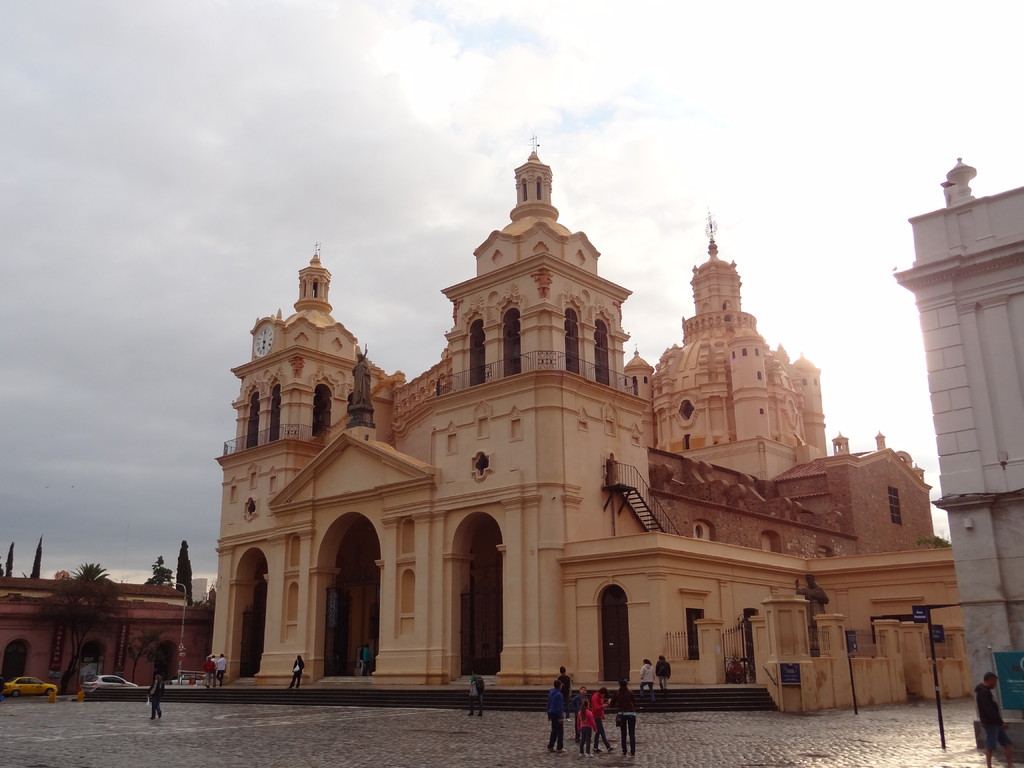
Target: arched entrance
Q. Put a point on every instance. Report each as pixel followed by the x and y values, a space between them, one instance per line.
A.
pixel 481 621
pixel 163 659
pixel 14 659
pixel 251 598
pixel 614 634
pixel 353 600
pixel 90 662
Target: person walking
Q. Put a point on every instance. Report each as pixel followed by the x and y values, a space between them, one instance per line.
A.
pixel 222 667
pixel 597 705
pixel 556 715
pixel 663 671
pixel 297 668
pixel 574 709
pixel 625 702
pixel 476 694
pixel 209 670
pixel 156 693
pixel 585 725
pixel 992 720
pixel 647 678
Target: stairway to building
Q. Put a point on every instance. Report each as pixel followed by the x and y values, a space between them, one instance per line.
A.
pixel 521 699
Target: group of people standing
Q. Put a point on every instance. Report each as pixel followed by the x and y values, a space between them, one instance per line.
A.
pixel 588 713
pixel 213 671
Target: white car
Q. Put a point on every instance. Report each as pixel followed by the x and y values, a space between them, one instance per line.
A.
pixel 93 682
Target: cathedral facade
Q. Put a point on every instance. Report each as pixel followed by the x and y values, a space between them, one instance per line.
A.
pixel 533 500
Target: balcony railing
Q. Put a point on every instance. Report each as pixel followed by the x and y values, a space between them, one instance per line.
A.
pixel 302 432
pixel 540 360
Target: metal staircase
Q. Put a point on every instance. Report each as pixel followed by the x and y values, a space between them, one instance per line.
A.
pixel 624 481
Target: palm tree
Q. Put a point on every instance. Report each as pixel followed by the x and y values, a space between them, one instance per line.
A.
pixel 91 572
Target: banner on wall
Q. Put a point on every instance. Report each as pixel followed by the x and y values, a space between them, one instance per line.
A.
pixel 57 651
pixel 1010 668
pixel 122 647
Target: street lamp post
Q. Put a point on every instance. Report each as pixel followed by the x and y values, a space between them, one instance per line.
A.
pixel 181 639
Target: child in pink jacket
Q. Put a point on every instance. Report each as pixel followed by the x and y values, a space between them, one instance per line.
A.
pixel 585 725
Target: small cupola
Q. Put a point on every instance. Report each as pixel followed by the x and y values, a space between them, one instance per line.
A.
pixel 533 191
pixel 314 284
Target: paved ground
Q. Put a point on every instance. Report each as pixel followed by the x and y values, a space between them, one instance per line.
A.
pixel 69 734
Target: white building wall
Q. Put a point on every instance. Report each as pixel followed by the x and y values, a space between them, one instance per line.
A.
pixel 969 282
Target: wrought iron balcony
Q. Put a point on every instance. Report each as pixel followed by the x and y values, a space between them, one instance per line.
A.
pixel 541 360
pixel 302 432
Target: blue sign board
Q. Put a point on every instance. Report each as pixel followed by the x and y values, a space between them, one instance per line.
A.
pixel 851 640
pixel 789 674
pixel 920 614
pixel 1010 668
pixel 938 633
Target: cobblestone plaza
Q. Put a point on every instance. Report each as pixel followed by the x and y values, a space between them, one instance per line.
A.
pixel 68 734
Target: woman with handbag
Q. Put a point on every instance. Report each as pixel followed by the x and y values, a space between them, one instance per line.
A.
pixel 625 702
pixel 297 668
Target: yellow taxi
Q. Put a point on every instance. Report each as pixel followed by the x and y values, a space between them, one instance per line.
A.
pixel 28 686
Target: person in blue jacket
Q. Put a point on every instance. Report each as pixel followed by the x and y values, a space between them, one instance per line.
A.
pixel 556 714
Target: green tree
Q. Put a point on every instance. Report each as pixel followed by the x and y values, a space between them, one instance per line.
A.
pixel 161 573
pixel 37 563
pixel 10 560
pixel 86 602
pixel 142 646
pixel 184 574
pixel 933 542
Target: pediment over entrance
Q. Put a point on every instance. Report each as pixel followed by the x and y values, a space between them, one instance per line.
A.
pixel 349 467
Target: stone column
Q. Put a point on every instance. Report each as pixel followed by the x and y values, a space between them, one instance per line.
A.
pixel 711 665
pixel 832 644
pixel 788 643
pixel 887 634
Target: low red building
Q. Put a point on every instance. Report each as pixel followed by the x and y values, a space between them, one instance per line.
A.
pixel 32 645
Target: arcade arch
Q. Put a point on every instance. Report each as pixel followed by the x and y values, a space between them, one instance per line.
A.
pixel 480 578
pixel 351 618
pixel 250 605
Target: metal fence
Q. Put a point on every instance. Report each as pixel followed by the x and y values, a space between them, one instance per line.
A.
pixel 682 645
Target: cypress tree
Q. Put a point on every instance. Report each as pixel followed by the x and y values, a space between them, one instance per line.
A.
pixel 184 574
pixel 10 560
pixel 38 561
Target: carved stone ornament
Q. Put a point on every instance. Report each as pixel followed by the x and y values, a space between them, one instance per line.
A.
pixel 542 277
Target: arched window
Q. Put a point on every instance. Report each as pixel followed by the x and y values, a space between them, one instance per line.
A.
pixel 14 659
pixel 513 363
pixel 252 427
pixel 601 352
pixel 321 409
pixel 572 341
pixel 771 541
pixel 477 353
pixel 275 413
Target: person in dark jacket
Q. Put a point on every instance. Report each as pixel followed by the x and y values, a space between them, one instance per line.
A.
pixel 663 671
pixel 297 668
pixel 625 702
pixel 156 693
pixel 992 720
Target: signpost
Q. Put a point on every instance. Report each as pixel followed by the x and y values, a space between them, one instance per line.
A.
pixel 851 648
pixel 923 615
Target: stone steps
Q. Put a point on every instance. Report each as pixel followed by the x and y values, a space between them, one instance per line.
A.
pixel 716 699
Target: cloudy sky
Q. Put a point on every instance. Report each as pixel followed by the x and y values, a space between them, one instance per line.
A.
pixel 167 167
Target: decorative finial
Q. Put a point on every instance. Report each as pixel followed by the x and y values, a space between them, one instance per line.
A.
pixel 316 249
pixel 710 229
pixel 535 143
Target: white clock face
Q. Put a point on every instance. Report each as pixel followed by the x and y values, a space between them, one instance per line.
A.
pixel 264 341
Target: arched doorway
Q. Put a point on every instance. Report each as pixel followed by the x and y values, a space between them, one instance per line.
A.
pixel 91 660
pixel 353 600
pixel 14 659
pixel 163 659
pixel 481 633
pixel 252 599
pixel 614 634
